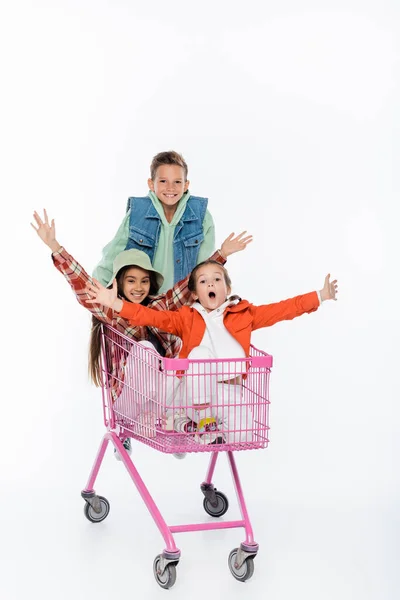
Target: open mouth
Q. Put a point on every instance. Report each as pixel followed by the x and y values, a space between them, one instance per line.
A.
pixel 211 295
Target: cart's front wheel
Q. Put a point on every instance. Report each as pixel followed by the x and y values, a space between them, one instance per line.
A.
pixel 167 579
pixel 244 572
pixel 218 508
pixel 99 511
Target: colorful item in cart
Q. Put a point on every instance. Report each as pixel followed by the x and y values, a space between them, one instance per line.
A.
pixel 208 433
pixel 182 424
pixel 173 227
pixel 205 432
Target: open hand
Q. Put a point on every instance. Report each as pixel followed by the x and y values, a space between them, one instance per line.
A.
pixel 235 244
pixel 330 289
pixel 46 231
pixel 102 295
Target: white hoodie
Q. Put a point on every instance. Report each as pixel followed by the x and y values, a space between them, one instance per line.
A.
pixel 218 340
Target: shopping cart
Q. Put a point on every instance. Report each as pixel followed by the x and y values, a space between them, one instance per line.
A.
pixel 178 406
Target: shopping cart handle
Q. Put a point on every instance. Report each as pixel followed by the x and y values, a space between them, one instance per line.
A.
pixel 262 361
pixel 182 364
pixel 175 364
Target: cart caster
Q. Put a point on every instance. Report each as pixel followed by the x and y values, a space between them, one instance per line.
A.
pixel 166 578
pixel 245 570
pixel 218 507
pixel 215 503
pixel 96 508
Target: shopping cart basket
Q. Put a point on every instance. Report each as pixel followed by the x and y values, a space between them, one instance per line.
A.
pixel 178 406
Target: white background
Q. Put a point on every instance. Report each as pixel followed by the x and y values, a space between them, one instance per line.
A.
pixel 287 114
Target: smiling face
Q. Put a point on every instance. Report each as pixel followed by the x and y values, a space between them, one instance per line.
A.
pixel 211 289
pixel 169 185
pixel 135 284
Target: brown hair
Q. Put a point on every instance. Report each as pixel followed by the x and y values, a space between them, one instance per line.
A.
pixel 192 278
pixel 167 158
pixel 94 352
pixel 95 337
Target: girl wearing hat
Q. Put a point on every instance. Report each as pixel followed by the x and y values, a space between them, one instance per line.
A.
pixel 137 283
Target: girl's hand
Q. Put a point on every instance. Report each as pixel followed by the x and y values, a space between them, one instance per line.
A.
pixel 235 244
pixel 329 290
pixel 46 232
pixel 102 295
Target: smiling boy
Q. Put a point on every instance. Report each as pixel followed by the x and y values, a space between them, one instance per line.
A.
pixel 174 228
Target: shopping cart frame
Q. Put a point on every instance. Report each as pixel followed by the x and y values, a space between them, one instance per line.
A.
pixel 215 503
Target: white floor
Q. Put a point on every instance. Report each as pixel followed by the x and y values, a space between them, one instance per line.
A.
pixel 314 541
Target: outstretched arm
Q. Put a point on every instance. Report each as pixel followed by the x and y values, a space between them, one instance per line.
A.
pixel 180 295
pixel 46 231
pixel 329 290
pixel 286 310
pixel 73 272
pixel 234 244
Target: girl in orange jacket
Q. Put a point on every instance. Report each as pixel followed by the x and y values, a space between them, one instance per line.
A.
pixel 216 326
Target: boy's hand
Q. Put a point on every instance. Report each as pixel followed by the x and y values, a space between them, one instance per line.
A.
pixel 102 295
pixel 329 290
pixel 235 244
pixel 46 232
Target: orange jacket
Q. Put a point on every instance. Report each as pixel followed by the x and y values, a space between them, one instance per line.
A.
pixel 240 320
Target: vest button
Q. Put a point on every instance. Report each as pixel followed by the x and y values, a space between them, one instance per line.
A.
pixel 179 260
pixel 141 241
pixel 197 241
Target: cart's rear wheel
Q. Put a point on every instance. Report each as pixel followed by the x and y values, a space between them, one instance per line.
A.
pixel 167 579
pixel 97 517
pixel 244 572
pixel 218 508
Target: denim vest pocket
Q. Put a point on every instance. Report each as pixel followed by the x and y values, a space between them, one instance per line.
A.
pixel 191 251
pixel 194 241
pixel 140 240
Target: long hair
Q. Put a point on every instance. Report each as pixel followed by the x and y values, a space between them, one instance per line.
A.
pixel 95 351
pixel 94 365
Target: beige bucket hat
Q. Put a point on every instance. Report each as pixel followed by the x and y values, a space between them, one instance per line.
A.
pixel 134 258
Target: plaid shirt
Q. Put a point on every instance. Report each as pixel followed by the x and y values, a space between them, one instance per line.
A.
pixel 173 299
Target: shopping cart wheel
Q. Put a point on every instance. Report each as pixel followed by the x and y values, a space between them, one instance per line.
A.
pixel 218 507
pixel 98 510
pixel 167 579
pixel 244 572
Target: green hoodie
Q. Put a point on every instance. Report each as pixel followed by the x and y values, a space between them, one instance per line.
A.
pixel 163 257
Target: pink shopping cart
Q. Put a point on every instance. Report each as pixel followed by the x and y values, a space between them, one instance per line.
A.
pixel 178 406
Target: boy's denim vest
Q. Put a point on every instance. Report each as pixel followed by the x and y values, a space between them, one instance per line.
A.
pixel 145 225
